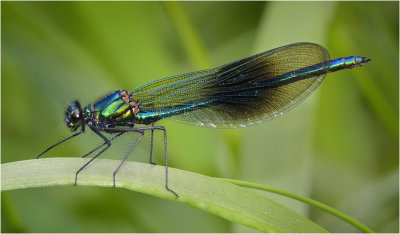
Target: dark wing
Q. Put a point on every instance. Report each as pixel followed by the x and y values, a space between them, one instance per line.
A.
pixel 230 96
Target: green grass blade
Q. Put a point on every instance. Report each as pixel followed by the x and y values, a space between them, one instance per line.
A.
pixel 309 201
pixel 212 195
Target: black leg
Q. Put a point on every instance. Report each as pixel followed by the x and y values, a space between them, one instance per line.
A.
pixel 66 139
pixel 151 146
pixel 166 163
pixel 106 141
pixel 98 147
pixel 165 145
pixel 126 156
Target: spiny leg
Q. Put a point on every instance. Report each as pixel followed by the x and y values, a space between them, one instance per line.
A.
pixel 106 141
pixel 126 156
pixel 98 147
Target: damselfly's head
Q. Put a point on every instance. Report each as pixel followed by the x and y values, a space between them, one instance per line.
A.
pixel 73 115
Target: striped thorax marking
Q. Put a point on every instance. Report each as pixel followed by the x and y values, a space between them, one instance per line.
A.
pixel 127 98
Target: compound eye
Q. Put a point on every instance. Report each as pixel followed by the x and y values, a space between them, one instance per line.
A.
pixel 75 116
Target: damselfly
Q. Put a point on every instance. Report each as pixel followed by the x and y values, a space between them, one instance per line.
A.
pixel 239 94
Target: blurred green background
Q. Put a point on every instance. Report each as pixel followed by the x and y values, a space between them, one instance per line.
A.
pixel 340 147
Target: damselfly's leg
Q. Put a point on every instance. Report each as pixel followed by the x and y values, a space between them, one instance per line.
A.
pixel 98 147
pixel 166 162
pixel 51 147
pixel 151 145
pixel 126 156
pixel 166 153
pixel 165 145
pixel 106 141
pixel 66 139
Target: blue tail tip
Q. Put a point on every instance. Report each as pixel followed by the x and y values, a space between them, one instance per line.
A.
pixel 365 60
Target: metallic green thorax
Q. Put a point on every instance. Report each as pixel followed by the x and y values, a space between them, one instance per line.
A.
pixel 112 109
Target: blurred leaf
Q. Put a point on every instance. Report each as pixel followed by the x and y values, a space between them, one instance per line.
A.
pixel 356 128
pixel 190 38
pixel 379 80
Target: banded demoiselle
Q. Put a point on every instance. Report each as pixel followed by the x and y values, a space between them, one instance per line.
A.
pixel 238 94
